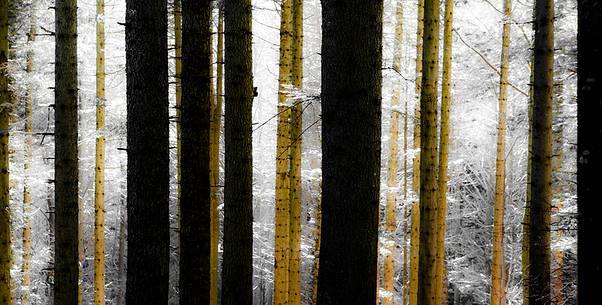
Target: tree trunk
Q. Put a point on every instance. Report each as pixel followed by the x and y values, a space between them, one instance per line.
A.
pixel 589 148
pixel 414 242
pixel 497 265
pixel 148 152
pixel 66 279
pixel 392 192
pixel 195 196
pixel 406 208
pixel 351 123
pixel 27 202
pixel 237 271
pixel 526 216
pixel 541 178
pixel 283 141
pixel 99 190
pixel 296 124
pixel 428 156
pixel 446 99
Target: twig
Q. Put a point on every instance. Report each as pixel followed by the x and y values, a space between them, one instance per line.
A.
pixel 488 63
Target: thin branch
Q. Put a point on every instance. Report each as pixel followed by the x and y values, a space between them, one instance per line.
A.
pixel 488 63
pixel 298 138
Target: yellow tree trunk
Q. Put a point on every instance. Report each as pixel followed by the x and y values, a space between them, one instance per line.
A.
pixel 282 215
pixel 391 207
pixel 26 264
pixel 446 99
pixel 414 242
pixel 99 194
pixel 428 156
pixel 177 12
pixel 497 265
pixel 296 121
pixel 5 109
pixel 216 123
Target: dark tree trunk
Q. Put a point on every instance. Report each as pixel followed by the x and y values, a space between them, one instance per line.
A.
pixel 194 185
pixel 148 152
pixel 351 127
pixel 541 149
pixel 66 245
pixel 237 271
pixel 589 139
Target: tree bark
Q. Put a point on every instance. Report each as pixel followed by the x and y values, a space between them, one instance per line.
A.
pixel 497 265
pixel 414 242
pixel 99 190
pixel 428 156
pixel 589 148
pixel 195 196
pixel 351 123
pixel 237 272
pixel 446 100
pixel 148 152
pixel 541 169
pixel 296 125
pixel 66 279
pixel 283 144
